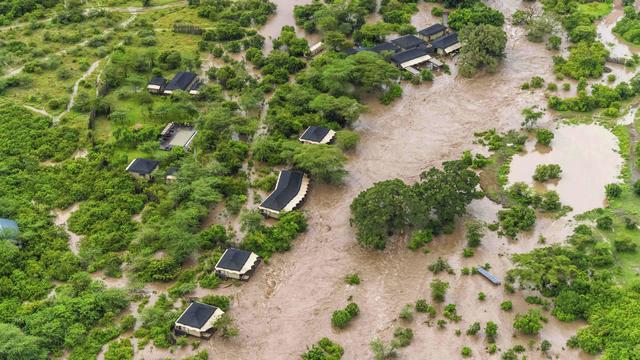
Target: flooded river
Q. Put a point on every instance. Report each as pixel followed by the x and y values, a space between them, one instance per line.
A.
pixel 287 305
pixel 585 169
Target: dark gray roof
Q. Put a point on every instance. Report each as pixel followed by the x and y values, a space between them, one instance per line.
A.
pixel 142 166
pixel 289 183
pixel 196 85
pixel 233 259
pixel 408 55
pixel 384 47
pixel 315 133
pixel 445 41
pixel 197 314
pixel 408 42
pixel 158 80
pixel 432 30
pixel 171 171
pixel 181 81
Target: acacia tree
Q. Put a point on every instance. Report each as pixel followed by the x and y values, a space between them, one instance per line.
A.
pixel 378 211
pixel 482 48
pixel 324 162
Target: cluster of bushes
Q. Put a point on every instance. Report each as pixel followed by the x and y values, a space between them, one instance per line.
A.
pixel 432 203
pixel 325 349
pixel 234 14
pixel 341 318
pixel 629 26
pixel 265 240
pixel 577 278
pixel 545 172
pixel 341 17
pixel 601 97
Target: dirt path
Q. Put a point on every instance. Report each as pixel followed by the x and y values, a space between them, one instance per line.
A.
pixel 287 305
pixel 38 111
pixel 74 93
pixel 61 219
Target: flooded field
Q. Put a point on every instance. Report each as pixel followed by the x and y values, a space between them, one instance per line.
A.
pixel 585 169
pixel 287 305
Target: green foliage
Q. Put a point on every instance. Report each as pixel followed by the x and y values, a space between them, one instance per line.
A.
pixel 478 14
pixel 381 351
pixel 439 265
pixel 222 302
pixel 613 191
pixel 450 313
pixel 16 345
pixel 483 47
pixel 225 326
pixel 324 162
pixel 529 323
pixel 530 117
pixel 473 329
pixel 544 136
pixel 119 350
pixel 341 318
pixel 629 26
pixel 586 60
pixel 265 240
pixel 347 140
pixel 438 290
pixel 506 305
pixel 406 313
pixel 545 172
pixel 401 337
pixel 391 205
pixel 423 307
pixel 604 223
pixel 466 351
pixel 516 219
pixel 352 279
pixel 325 349
pixel 419 238
pixel 474 233
pixel 491 331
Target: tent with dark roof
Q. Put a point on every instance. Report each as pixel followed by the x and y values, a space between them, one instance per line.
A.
pixel 182 81
pixel 142 167
pixel 237 264
pixel 407 42
pixel 317 135
pixel 290 190
pixel 412 57
pixel 198 320
pixel 447 44
pixel 156 85
pixel 432 32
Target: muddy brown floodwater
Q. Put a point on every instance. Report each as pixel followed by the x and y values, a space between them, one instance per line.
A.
pixel 585 169
pixel 287 304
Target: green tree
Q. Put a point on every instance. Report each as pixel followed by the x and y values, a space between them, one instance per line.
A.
pixel 324 162
pixel 16 345
pixel 482 48
pixel 529 323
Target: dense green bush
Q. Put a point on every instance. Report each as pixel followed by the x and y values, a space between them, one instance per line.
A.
pixel 545 172
pixel 341 318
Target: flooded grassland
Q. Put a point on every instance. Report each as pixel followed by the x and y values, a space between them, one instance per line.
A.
pixel 287 305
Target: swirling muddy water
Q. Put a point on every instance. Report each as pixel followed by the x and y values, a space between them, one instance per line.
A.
pixel 287 304
pixel 589 160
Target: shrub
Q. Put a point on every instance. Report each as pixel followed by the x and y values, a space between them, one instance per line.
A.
pixel 422 307
pixel 482 296
pixel 220 301
pixel 529 323
pixel 491 331
pixel 381 351
pixel 450 312
pixel 402 337
pixel 506 305
pixel 552 87
pixel 537 82
pixel 515 219
pixel 437 11
pixel 419 238
pixel 439 290
pixel 636 187
pixel 341 318
pixel 604 223
pixel 466 351
pixel 439 265
pixel 406 313
pixel 544 136
pixel 324 350
pixel 352 279
pixel 625 245
pixel 347 140
pixel 545 346
pixel 613 191
pixel 474 233
pixel 474 328
pixel 546 172
pixel 467 252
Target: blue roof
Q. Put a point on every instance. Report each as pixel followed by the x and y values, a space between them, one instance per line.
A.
pixel 488 275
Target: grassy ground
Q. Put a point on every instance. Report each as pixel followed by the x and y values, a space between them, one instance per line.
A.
pixel 596 9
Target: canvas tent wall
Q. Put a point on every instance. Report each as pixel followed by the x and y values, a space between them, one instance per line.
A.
pixel 156 85
pixel 237 264
pixel 432 32
pixel 198 320
pixel 290 190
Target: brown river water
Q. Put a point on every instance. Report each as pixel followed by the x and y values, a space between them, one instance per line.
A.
pixel 287 304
